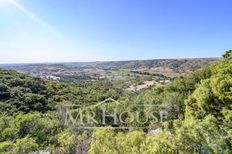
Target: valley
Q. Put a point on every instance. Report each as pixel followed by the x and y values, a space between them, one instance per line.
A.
pixel 112 107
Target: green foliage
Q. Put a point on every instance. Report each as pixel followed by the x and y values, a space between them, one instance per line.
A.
pixel 6 147
pixel 208 112
pixel 109 141
pixel 66 142
pixel 4 92
pixel 22 146
pixel 25 145
pixel 199 107
pixel 228 54
pixel 22 93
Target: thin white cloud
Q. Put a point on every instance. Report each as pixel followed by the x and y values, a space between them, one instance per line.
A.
pixel 31 15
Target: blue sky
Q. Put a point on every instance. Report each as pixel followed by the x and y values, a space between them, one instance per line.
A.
pixel 96 30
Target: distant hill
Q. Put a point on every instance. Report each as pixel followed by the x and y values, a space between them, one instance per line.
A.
pixel 161 65
pixel 92 70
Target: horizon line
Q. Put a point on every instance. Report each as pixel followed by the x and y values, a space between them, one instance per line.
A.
pixel 104 61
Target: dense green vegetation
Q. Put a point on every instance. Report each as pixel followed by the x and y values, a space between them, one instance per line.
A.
pixel 20 93
pixel 198 107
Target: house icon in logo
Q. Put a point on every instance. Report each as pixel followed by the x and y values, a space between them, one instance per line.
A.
pixel 108 101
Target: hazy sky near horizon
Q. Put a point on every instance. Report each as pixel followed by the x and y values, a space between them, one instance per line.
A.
pixel 95 30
